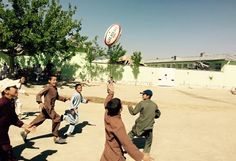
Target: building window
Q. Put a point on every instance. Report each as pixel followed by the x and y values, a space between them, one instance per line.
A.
pixel 168 65
pixel 173 65
pixel 179 66
pixel 185 66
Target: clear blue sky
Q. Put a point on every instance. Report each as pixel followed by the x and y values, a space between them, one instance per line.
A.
pixel 163 28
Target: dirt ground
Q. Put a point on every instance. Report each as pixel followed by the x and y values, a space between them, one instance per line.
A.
pixel 195 125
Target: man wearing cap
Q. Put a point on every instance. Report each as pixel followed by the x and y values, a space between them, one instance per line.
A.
pixel 144 123
pixel 8 117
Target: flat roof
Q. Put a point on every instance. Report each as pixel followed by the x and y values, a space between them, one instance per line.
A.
pixel 205 57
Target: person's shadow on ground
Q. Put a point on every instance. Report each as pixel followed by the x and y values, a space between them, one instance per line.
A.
pixel 43 155
pixel 26 115
pixel 29 145
pixel 20 148
pixel 78 128
pixel 40 137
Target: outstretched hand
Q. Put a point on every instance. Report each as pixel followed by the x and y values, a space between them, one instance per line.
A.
pixel 29 128
pixel 129 105
pixel 88 100
pixel 110 87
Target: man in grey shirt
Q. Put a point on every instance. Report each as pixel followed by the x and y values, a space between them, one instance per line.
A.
pixel 144 123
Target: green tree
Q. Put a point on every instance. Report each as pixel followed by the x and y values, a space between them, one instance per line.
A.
pixel 34 27
pixel 115 52
pixel 93 71
pixel 93 50
pixel 116 71
pixel 136 59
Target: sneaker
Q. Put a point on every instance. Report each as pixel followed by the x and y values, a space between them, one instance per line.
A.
pixel 68 135
pixel 24 135
pixel 59 140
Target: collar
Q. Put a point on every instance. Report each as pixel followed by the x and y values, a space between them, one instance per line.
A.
pixel 5 99
pixel 52 86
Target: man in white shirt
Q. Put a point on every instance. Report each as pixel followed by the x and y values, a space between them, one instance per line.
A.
pixel 19 84
pixel 71 115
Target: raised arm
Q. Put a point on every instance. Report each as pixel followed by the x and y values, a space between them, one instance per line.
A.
pixel 110 95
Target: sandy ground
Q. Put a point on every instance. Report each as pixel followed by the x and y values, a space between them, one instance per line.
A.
pixel 195 125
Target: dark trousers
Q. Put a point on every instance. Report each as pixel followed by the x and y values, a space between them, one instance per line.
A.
pixel 6 153
pixel 148 134
pixel 56 120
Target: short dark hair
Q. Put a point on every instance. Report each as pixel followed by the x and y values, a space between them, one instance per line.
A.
pixel 3 92
pixel 50 77
pixel 21 76
pixel 78 84
pixel 113 106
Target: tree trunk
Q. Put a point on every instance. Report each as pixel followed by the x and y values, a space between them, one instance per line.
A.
pixel 12 62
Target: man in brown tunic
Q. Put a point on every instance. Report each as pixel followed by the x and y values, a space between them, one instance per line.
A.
pixel 47 109
pixel 8 117
pixel 116 136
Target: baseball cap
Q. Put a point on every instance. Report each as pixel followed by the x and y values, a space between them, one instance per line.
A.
pixel 7 83
pixel 147 92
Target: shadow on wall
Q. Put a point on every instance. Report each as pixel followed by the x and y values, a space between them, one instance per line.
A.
pixel 68 71
pixel 135 71
pixel 89 72
pixel 93 72
pixel 116 71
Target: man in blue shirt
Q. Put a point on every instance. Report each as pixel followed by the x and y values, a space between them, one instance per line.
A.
pixel 71 115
